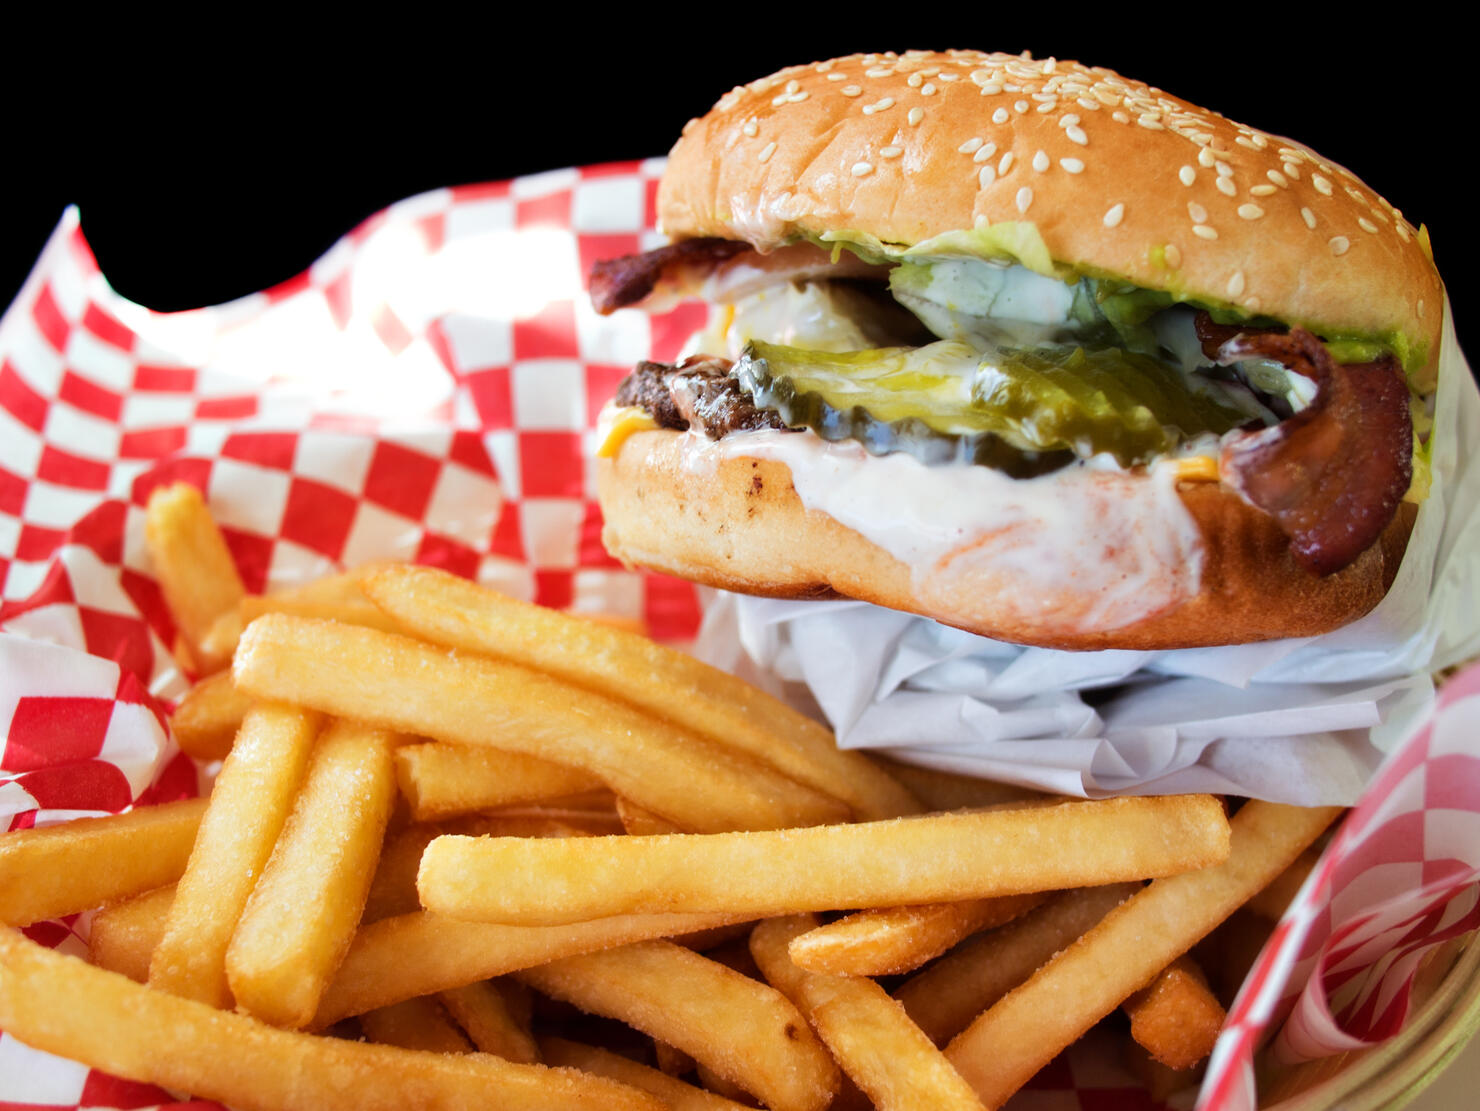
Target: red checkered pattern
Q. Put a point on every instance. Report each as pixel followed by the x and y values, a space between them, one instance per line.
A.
pixel 427 391
pixel 1402 876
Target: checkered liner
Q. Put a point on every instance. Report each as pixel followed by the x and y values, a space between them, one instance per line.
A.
pixel 426 391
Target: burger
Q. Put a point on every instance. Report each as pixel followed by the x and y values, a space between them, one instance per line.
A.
pixel 1028 348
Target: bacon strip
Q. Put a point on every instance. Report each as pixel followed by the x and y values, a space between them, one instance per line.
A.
pixel 619 282
pixel 1332 475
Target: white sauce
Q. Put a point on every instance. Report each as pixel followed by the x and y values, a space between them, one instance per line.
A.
pixel 1102 549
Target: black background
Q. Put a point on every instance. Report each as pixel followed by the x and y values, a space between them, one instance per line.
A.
pixel 214 166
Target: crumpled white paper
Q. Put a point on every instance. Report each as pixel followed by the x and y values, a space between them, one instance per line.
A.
pixel 1299 721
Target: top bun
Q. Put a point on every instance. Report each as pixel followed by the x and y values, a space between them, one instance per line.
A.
pixel 1120 179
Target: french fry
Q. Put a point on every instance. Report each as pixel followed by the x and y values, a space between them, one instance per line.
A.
pixel 944 998
pixel 943 790
pixel 302 913
pixel 480 1009
pixel 868 1033
pixel 1004 1047
pixel 81 864
pixel 676 1094
pixel 421 954
pixel 124 935
pixel 1176 1017
pixel 671 1060
pixel 398 683
pixel 623 665
pixel 443 781
pixel 745 1030
pixel 932 858
pixel 195 570
pixel 206 719
pixel 893 940
pixel 419 1023
pixel 65 1006
pixel 641 822
pixel 1271 902
pixel 247 809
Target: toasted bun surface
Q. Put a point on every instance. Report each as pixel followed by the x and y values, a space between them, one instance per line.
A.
pixel 742 526
pixel 1120 180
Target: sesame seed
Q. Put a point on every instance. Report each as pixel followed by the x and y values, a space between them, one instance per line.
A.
pixel 1005 164
pixel 1150 122
pixel 1250 211
pixel 1202 231
pixel 915 115
pixel 1366 225
pixel 1236 284
pixel 837 77
pixel 1278 178
pixel 1245 141
pixel 1187 175
pixel 878 106
pixel 1292 171
pixel 971 146
pixel 928 89
pixel 1072 165
pixel 862 169
pixel 1088 104
pixel 1253 304
pixel 1041 162
pixel 1198 213
pixel 1114 215
pixel 1323 186
pixel 852 90
pixel 1173 255
pixel 751 129
pixel 1226 186
pixel 1262 191
pixel 1024 198
pixel 1402 233
pixel 1309 217
pixel 1205 158
pixel 1120 117
pixel 986 177
pixel 1070 120
pixel 1020 106
pixel 1339 245
pixel 890 152
pixel 1077 135
pixel 766 152
pixel 985 153
pixel 878 71
pixel 980 220
pixel 914 80
pixel 999 116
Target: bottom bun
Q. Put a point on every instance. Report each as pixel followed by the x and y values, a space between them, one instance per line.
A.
pixel 678 504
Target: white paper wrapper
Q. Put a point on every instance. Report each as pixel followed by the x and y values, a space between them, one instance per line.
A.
pixel 1299 721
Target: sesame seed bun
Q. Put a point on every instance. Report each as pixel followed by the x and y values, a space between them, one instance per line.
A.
pixel 1120 180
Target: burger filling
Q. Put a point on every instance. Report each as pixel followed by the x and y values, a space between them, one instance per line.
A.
pixel 957 358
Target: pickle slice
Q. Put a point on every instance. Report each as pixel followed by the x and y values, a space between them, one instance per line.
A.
pixel 1023 411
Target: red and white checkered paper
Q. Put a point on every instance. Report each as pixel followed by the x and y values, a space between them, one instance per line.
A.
pixel 427 391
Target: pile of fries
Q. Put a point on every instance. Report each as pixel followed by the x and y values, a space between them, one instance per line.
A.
pixel 449 826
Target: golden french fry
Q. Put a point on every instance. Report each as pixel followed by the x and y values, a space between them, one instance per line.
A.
pixel 867 1032
pixel 195 570
pixel 205 721
pixel 641 822
pixel 932 858
pixel 745 1030
pixel 893 940
pixel 1271 902
pixel 943 790
pixel 1004 1047
pixel 541 821
pixel 81 864
pixel 247 809
pixel 302 913
pixel 481 1010
pixel 393 890
pixel 124 935
pixel 65 1006
pixel 443 781
pixel 398 683
pixel 421 954
pixel 944 998
pixel 419 1023
pixel 352 610
pixel 672 1060
pixel 1176 1017
pixel 623 665
pixel 676 1094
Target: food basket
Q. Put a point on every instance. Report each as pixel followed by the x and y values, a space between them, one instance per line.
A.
pixel 427 391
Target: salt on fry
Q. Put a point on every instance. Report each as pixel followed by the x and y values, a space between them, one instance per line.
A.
pixel 398 683
pixel 62 1005
pixel 930 858
pixel 893 940
pixel 194 567
pixel 624 665
pixel 247 809
pixel 444 781
pixel 867 1032
pixel 946 996
pixel 302 913
pixel 745 1030
pixel 1004 1047
pixel 81 864
pixel 1176 1018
